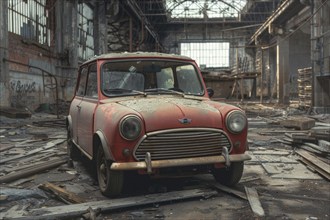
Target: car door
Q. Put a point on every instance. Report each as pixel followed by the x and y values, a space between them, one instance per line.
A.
pixel 86 111
pixel 75 104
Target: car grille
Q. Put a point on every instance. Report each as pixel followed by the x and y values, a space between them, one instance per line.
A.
pixel 182 143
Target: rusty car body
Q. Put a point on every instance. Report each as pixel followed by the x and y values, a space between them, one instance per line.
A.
pixel 151 113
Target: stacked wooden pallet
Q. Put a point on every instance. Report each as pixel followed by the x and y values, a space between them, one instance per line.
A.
pixel 305 87
pixel 313 146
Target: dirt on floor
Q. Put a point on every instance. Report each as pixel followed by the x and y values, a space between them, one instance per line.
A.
pixel 286 187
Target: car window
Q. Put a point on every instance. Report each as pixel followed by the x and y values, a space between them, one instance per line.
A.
pixel 187 80
pixel 149 75
pixel 82 82
pixel 91 90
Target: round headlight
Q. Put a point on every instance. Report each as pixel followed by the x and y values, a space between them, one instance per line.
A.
pixel 130 127
pixel 236 121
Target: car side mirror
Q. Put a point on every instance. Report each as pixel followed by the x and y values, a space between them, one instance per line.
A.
pixel 210 92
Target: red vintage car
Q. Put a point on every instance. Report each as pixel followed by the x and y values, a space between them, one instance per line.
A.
pixel 151 113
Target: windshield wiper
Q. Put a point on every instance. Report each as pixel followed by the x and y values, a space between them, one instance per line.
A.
pixel 165 90
pixel 122 90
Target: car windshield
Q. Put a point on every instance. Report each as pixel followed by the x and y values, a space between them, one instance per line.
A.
pixel 150 77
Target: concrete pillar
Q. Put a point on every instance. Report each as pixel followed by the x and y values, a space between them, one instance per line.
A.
pixel 4 71
pixel 320 55
pixel 67 46
pixel 100 28
pixel 283 71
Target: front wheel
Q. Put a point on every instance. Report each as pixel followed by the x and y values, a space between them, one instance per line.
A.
pixel 110 182
pixel 229 176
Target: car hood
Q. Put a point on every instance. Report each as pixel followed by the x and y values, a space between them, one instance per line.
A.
pixel 161 113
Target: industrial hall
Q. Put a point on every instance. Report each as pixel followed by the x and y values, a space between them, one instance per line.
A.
pixel 165 109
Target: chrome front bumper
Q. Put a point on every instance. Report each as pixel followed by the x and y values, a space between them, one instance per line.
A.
pixel 149 164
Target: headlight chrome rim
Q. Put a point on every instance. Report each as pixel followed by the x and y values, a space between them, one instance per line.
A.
pixel 241 123
pixel 137 126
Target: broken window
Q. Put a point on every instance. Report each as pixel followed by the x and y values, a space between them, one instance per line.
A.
pixel 85 31
pixel 29 19
pixel 207 54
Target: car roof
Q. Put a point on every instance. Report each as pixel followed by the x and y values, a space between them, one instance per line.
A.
pixel 137 55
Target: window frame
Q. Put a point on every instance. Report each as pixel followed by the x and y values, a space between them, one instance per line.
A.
pixel 214 50
pixel 32 26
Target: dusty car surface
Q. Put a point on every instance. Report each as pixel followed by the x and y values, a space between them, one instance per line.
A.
pixel 151 113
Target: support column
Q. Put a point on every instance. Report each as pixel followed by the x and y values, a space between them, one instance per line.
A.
pixel 283 72
pixel 320 55
pixel 4 70
pixel 100 28
pixel 67 46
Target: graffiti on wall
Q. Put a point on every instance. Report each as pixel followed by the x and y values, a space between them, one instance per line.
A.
pixel 23 93
pixel 22 87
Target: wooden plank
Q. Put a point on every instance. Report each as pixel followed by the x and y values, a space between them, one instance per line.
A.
pixel 62 193
pixel 300 137
pixel 228 190
pixel 314 160
pixel 324 145
pixel 254 201
pixel 76 210
pixel 5 147
pixel 48 145
pixel 301 123
pixel 315 168
pixel 317 147
pixel 32 170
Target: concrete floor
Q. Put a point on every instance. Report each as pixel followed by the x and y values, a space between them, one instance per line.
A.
pixel 287 189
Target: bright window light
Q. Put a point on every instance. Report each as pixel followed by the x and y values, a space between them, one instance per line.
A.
pixel 208 54
pixel 204 8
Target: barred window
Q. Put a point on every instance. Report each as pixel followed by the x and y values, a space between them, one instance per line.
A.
pixel 28 18
pixel 208 54
pixel 85 31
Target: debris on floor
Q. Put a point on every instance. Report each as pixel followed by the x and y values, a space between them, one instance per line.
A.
pixel 288 172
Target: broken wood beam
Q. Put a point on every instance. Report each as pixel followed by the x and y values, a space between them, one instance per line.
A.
pixel 312 167
pixel 47 146
pixel 254 201
pixel 315 163
pixel 301 123
pixel 76 210
pixel 228 190
pixel 32 170
pixel 61 193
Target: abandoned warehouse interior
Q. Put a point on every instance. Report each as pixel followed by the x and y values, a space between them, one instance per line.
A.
pixel 269 58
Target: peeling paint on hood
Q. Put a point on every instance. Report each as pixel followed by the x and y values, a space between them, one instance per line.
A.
pixel 166 112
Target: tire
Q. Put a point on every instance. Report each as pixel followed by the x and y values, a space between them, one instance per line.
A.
pixel 110 182
pixel 229 176
pixel 73 152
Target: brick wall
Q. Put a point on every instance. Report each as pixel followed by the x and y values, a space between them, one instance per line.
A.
pixel 26 85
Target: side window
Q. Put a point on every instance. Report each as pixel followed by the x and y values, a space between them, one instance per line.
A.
pixel 82 81
pixel 91 90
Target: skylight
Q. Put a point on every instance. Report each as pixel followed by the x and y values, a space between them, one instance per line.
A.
pixel 204 8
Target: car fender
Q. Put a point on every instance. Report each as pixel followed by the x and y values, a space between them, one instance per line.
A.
pixel 104 144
